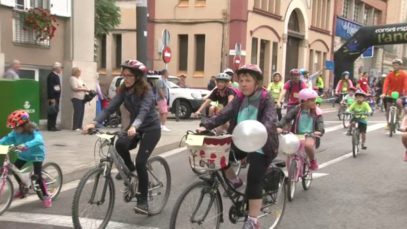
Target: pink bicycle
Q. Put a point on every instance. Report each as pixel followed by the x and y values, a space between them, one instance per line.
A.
pixel 297 164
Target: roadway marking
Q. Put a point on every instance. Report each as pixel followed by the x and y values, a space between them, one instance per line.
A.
pixel 58 220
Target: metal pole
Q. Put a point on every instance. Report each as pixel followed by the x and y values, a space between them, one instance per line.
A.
pixel 141 12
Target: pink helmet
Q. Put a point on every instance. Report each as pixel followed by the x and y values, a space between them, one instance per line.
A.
pixel 306 94
pixel 135 65
pixel 252 68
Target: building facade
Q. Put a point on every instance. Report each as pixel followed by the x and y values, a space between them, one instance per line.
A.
pixel 73 46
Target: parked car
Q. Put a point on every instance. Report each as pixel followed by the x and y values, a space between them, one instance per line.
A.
pixel 189 99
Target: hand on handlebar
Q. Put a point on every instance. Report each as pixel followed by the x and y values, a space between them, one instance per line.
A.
pixel 131 131
pixel 201 129
pixel 21 148
pixel 279 130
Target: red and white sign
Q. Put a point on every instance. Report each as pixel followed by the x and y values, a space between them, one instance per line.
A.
pixel 166 55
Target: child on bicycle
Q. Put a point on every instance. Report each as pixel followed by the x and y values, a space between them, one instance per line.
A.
pixel 307 119
pixel 27 139
pixel 361 109
pixel 253 103
pixel 350 97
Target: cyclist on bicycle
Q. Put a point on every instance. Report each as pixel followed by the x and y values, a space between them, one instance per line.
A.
pixel 219 97
pixel 361 108
pixel 342 88
pixel 350 97
pixel 306 118
pixel 293 87
pixel 27 139
pixel 253 103
pixel 363 83
pixel 137 96
pixel 395 81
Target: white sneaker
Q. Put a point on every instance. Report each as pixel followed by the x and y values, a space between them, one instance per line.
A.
pixel 164 128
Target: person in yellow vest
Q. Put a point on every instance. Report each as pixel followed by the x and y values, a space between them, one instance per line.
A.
pixel 275 88
pixel 320 85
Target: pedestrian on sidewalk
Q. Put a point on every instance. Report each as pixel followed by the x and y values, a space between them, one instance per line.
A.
pixel 12 72
pixel 78 94
pixel 163 98
pixel 137 96
pixel 54 95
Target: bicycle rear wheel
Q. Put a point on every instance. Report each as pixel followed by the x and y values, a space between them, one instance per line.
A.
pixel 159 184
pixel 274 202
pixel 52 178
pixel 93 201
pixel 6 193
pixel 355 142
pixel 197 207
pixel 291 182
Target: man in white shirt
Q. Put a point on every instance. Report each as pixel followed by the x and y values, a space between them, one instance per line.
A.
pixel 12 72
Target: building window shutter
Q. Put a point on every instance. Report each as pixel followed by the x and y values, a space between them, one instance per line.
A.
pixel 61 7
pixel 11 3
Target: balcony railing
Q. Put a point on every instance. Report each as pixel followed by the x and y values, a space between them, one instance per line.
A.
pixel 21 36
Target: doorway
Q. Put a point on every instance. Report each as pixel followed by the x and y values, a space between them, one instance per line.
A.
pixel 294 40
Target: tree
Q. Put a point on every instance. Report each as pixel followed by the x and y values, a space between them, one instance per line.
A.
pixel 107 16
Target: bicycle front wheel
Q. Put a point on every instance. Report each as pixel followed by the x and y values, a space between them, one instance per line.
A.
pixel 197 207
pixel 292 179
pixel 345 120
pixel 392 120
pixel 93 201
pixel 52 178
pixel 355 143
pixel 159 184
pixel 6 193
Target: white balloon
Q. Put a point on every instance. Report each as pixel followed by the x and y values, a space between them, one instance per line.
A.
pixel 288 143
pixel 249 136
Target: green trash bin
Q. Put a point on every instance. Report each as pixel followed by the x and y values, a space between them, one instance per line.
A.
pixel 19 94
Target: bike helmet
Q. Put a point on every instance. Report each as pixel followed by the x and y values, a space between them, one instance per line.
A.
pixel 345 73
pixel 295 72
pixel 303 71
pixel 223 76
pixel 252 69
pixel 306 94
pixel 135 66
pixel 360 92
pixel 17 118
pixel 397 61
pixel 318 100
pixel 228 71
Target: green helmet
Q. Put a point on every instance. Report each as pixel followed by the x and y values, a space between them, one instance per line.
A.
pixel 318 100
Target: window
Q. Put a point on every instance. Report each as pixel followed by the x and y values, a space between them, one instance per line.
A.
pixel 264 55
pixel 254 50
pixel 356 13
pixel 367 16
pixel 118 50
pixel 257 4
pixel 200 52
pixel 200 2
pixel 274 6
pixel 183 52
pixel 346 8
pixel 320 13
pixel 183 3
pixel 22 36
pixel 103 52
pixel 27 4
pixel 274 57
pixel 311 60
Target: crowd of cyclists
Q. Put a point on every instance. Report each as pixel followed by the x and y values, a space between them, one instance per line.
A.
pixel 237 96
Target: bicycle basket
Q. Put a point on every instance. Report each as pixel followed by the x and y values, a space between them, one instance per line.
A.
pixel 209 152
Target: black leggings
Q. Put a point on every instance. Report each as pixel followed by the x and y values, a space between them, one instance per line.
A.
pixel 258 165
pixel 148 140
pixel 37 171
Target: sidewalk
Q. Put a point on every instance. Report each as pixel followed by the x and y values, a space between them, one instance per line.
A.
pixel 74 151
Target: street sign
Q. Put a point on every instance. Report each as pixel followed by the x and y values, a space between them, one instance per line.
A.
pixel 166 37
pixel 330 65
pixel 166 54
pixel 369 53
pixel 236 61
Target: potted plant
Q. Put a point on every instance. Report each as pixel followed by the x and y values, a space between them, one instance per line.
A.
pixel 41 22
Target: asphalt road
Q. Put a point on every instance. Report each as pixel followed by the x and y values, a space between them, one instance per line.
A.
pixel 369 191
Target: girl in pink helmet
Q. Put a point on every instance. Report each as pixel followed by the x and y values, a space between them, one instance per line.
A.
pixel 307 119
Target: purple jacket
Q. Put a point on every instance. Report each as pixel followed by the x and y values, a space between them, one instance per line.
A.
pixel 266 115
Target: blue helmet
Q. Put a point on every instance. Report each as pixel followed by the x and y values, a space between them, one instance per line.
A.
pixel 303 71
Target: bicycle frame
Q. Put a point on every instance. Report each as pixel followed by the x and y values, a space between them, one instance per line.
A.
pixel 300 157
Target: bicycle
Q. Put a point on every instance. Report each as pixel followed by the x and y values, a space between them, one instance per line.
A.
pixel 201 202
pixel 342 107
pixel 392 118
pixel 96 187
pixel 355 133
pixel 346 117
pixel 298 167
pixel 51 176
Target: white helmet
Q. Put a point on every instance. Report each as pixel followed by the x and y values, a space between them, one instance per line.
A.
pixel 223 76
pixel 228 71
pixel 397 61
pixel 384 75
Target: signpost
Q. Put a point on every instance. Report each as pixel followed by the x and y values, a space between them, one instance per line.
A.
pixel 166 55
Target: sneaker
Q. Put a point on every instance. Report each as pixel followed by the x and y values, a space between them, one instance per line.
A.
pixel 313 165
pixel 118 176
pixel 19 195
pixel 250 224
pixel 364 147
pixel 47 202
pixel 164 128
pixel 141 207
pixel 348 133
pixel 405 156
